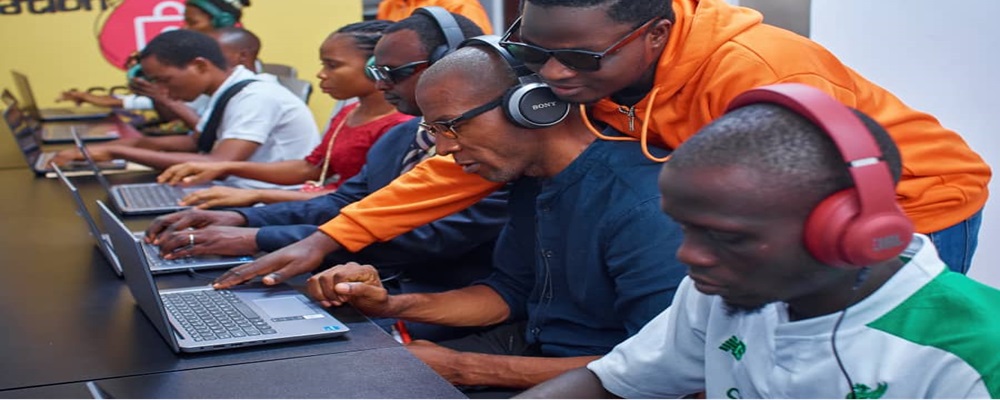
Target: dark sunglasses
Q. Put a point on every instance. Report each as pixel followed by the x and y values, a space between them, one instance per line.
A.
pixel 447 128
pixel 397 74
pixel 580 60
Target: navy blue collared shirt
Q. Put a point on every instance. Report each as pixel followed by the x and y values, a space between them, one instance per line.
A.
pixel 587 256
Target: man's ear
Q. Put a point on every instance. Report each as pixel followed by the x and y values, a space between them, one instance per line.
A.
pixel 201 64
pixel 659 33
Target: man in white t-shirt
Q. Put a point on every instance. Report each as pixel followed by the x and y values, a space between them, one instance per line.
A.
pixel 794 291
pixel 262 122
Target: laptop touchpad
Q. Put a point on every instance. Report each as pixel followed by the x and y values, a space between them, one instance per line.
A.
pixel 285 308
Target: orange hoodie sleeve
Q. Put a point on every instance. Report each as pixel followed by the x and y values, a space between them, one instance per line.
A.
pixel 435 188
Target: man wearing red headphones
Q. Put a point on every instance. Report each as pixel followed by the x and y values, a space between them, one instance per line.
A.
pixel 805 277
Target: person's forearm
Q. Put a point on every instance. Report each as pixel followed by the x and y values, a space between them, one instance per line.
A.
pixel 476 305
pixel 173 109
pixel 104 101
pixel 158 159
pixel 269 196
pixel 290 172
pixel 436 188
pixel 476 369
pixel 579 383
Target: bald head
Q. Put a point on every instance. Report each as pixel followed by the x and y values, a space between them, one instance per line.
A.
pixel 480 73
pixel 793 157
pixel 240 45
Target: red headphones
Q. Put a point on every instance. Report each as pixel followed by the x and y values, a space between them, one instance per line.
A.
pixel 855 227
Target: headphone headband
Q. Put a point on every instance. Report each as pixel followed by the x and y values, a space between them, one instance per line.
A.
pixel 854 227
pixel 220 18
pixel 446 22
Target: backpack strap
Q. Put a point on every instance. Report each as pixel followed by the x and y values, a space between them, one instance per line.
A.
pixel 208 135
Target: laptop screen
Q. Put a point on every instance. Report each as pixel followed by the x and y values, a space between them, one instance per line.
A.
pixel 90 160
pixel 27 97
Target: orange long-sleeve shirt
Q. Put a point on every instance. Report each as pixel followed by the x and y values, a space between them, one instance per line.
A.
pixel 715 52
pixel 395 10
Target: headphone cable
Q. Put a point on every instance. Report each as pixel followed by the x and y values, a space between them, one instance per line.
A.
pixel 862 276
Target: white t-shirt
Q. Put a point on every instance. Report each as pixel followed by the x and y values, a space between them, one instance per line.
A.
pixel 927 332
pixel 266 113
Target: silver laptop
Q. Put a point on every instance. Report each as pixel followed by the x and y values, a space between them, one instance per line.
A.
pixel 54 114
pixel 140 198
pixel 59 132
pixel 156 263
pixel 201 319
pixel 39 161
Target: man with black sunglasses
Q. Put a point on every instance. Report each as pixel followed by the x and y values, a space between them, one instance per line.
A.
pixel 585 259
pixel 664 70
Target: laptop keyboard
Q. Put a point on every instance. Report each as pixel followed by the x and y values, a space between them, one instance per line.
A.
pixel 151 196
pixel 215 314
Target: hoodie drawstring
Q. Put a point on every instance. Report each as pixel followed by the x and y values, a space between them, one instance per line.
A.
pixel 643 133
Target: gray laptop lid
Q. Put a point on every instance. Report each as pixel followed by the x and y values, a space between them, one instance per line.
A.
pixel 289 313
pixel 28 97
pixel 102 240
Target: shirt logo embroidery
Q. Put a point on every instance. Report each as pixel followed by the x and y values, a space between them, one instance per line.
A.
pixel 735 346
pixel 862 391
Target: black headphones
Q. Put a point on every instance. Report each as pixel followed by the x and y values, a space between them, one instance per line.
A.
pixel 530 103
pixel 453 35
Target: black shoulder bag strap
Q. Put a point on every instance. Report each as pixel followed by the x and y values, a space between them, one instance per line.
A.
pixel 208 135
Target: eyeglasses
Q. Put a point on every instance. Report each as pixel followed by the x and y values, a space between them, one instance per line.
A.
pixel 580 60
pixel 397 74
pixel 447 128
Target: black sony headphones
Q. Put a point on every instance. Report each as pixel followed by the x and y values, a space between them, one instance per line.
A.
pixel 530 103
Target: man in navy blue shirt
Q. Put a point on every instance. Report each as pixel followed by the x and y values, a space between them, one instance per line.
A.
pixel 445 254
pixel 585 260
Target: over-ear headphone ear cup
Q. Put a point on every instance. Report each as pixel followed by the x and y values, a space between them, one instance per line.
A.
pixel 533 105
pixel 368 73
pixel 835 235
pixel 223 20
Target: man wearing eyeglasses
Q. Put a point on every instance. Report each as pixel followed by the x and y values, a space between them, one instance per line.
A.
pixel 660 71
pixel 584 261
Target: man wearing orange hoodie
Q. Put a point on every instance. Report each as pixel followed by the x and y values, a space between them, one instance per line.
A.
pixel 659 73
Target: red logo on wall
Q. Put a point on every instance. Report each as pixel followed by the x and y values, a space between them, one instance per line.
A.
pixel 134 23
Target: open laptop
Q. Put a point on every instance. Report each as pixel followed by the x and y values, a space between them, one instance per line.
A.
pixel 140 198
pixel 59 132
pixel 201 319
pixel 39 161
pixel 156 263
pixel 54 114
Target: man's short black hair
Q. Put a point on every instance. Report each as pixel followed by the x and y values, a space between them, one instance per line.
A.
pixel 178 48
pixel 801 158
pixel 428 31
pixel 633 12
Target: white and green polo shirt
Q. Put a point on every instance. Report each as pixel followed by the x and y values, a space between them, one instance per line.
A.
pixel 927 332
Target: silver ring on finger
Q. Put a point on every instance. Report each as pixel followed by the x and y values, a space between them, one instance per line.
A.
pixel 191 239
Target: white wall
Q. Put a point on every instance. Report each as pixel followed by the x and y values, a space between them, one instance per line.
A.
pixel 939 57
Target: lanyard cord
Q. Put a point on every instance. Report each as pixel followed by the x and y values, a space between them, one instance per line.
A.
pixel 643 132
pixel 329 150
